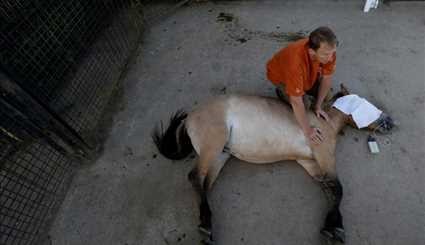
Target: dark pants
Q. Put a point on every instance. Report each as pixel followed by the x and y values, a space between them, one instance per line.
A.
pixel 314 91
pixel 308 102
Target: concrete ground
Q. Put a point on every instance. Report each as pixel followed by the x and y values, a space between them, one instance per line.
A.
pixel 133 195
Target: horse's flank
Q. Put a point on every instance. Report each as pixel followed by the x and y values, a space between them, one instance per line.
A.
pixel 258 130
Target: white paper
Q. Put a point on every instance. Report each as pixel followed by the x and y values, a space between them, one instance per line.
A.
pixel 362 112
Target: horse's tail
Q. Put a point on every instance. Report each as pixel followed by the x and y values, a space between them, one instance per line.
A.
pixel 174 143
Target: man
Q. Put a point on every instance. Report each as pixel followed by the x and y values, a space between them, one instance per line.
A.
pixel 305 67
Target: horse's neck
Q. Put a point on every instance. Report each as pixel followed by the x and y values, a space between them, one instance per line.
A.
pixel 337 118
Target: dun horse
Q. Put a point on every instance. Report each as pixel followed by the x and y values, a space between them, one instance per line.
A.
pixel 257 130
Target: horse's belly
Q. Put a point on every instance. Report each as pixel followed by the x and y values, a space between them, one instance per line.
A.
pixel 266 150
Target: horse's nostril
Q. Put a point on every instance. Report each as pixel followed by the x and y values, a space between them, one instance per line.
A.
pixel 385 124
pixel 396 124
pixel 389 122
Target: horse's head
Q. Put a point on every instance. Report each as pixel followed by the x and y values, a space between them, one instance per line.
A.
pixel 383 124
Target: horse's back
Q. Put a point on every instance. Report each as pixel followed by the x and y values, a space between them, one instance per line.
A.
pixel 258 129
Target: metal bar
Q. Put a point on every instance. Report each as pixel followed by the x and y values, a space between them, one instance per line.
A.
pixel 48 121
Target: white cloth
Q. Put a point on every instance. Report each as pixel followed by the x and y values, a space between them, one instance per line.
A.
pixel 363 112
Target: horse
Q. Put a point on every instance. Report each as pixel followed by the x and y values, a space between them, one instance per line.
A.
pixel 258 130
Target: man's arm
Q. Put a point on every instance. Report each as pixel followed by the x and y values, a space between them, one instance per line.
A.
pixel 301 117
pixel 324 87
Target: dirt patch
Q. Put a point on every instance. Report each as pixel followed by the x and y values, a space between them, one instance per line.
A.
pixel 239 34
pixel 225 17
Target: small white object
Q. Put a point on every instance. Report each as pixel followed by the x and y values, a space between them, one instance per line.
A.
pixel 370 4
pixel 373 145
pixel 363 112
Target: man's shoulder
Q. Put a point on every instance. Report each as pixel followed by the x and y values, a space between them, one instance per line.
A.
pixel 297 49
pixel 298 46
pixel 292 57
pixel 294 47
pixel 300 42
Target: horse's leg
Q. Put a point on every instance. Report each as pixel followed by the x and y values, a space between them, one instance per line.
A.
pixel 333 227
pixel 211 160
pixel 200 186
pixel 332 188
pixel 215 168
pixel 312 168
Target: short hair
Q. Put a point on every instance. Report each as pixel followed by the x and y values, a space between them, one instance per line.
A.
pixel 320 35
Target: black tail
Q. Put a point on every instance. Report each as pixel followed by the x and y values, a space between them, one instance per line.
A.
pixel 174 143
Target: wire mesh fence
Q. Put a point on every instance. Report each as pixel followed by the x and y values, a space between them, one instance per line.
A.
pixel 57 51
pixel 32 181
pixel 67 56
pixel 33 173
pixel 59 64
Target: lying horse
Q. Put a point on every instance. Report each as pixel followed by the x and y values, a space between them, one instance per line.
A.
pixel 257 130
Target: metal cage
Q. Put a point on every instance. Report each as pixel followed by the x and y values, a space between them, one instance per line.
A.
pixel 59 64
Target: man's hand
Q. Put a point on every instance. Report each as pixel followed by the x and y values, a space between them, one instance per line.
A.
pixel 314 135
pixel 321 113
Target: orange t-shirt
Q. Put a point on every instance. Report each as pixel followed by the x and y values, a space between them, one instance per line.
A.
pixel 293 67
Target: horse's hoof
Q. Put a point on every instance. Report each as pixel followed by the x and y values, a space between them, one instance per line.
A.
pixel 205 231
pixel 207 241
pixel 336 234
pixel 339 234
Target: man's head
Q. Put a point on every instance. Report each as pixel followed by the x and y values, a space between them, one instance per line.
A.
pixel 322 44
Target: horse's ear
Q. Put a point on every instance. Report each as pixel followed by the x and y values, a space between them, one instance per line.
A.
pixel 344 89
pixel 342 92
